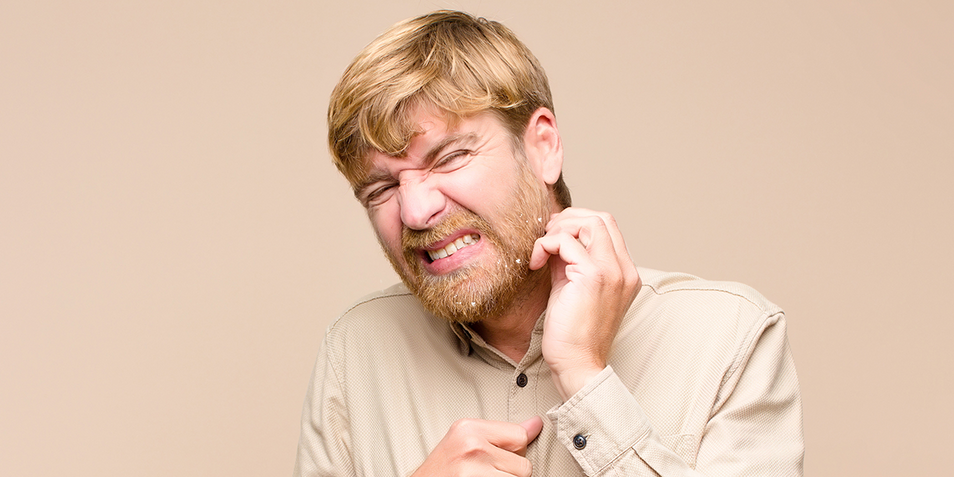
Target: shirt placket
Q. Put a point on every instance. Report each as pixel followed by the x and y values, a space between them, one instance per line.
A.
pixel 522 402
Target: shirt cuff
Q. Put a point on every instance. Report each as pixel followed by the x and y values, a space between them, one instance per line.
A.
pixel 600 422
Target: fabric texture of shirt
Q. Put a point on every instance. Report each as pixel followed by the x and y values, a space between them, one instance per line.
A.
pixel 700 382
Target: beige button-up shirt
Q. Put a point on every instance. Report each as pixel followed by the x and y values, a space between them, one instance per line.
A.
pixel 700 382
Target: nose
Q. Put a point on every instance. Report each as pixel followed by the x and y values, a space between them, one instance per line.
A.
pixel 421 202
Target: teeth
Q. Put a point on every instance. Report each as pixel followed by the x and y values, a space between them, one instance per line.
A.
pixel 453 247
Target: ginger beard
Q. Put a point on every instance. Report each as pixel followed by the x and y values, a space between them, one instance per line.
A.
pixel 489 287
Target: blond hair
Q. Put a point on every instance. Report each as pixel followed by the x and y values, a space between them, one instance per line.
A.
pixel 460 64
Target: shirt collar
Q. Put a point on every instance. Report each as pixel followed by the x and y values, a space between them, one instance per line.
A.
pixel 468 338
pixel 464 334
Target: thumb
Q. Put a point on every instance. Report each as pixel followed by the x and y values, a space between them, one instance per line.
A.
pixel 533 427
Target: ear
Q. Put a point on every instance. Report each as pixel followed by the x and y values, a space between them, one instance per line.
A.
pixel 543 146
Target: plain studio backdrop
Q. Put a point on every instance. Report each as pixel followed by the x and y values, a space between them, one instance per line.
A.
pixel 174 239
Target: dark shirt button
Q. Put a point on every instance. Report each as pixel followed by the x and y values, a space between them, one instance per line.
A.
pixel 522 380
pixel 579 441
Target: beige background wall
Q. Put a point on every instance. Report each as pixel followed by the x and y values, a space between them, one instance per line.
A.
pixel 174 240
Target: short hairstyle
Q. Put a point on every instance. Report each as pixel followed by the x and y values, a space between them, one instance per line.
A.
pixel 460 64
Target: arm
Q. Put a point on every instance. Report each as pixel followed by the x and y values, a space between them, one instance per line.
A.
pixel 755 423
pixel 323 447
pixel 755 426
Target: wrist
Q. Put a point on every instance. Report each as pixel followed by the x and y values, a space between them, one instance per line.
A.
pixel 570 381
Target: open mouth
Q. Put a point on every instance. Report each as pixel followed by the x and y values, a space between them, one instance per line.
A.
pixel 452 248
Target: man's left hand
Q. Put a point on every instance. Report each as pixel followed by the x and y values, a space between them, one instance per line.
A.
pixel 594 281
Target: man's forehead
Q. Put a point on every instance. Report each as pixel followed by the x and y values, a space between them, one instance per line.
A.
pixel 436 132
pixel 432 131
pixel 425 148
pixel 429 121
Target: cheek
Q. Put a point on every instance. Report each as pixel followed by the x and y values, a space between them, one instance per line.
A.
pixel 386 222
pixel 479 188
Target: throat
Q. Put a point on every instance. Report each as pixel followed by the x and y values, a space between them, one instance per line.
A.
pixel 511 332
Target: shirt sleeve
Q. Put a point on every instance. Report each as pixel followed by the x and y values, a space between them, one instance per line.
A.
pixel 324 444
pixel 754 429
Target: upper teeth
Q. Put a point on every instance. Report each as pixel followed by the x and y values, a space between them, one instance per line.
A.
pixel 453 247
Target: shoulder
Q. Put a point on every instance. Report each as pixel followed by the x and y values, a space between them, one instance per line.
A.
pixel 702 312
pixel 383 322
pixel 675 287
pixel 382 302
pixel 379 311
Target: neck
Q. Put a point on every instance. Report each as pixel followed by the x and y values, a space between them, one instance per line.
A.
pixel 511 331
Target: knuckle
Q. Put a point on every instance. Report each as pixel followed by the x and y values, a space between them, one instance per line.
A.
pixel 471 446
pixel 595 222
pixel 600 275
pixel 632 276
pixel 467 440
pixel 563 237
pixel 463 426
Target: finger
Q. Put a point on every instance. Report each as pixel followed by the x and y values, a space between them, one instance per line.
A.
pixel 566 247
pixel 538 256
pixel 510 463
pixel 575 218
pixel 570 213
pixel 533 426
pixel 595 236
pixel 505 435
pixel 550 245
pixel 610 223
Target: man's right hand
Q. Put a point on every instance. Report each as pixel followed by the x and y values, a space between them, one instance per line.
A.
pixel 474 447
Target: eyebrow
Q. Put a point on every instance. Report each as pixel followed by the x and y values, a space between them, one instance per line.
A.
pixel 429 158
pixel 432 154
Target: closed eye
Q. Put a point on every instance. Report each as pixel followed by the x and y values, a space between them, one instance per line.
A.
pixel 453 160
pixel 377 195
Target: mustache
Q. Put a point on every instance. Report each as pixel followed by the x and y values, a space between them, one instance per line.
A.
pixel 412 240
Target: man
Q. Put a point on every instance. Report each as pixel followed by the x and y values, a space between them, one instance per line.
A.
pixel 523 339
